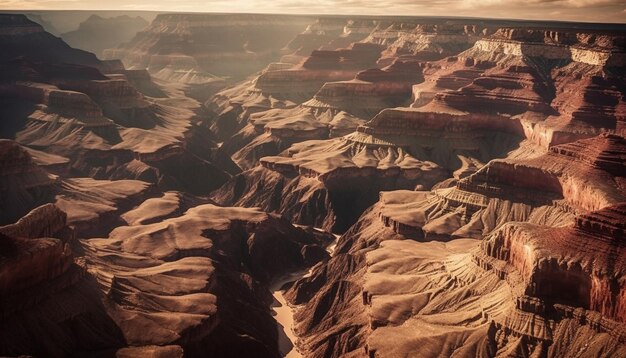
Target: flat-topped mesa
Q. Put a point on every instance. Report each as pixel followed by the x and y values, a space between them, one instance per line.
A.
pixel 63 89
pixel 357 55
pixel 112 96
pixel 606 152
pixel 304 80
pixel 583 265
pixel 285 87
pixel 486 80
pixel 410 121
pixel 511 90
pixel 66 104
pixel 326 34
pixel 209 41
pixel 23 185
pixel 510 85
pixel 546 190
pixel 589 100
pixel 371 91
pixel 355 31
pixel 584 47
pixel 425 42
pixel 589 179
pixel 515 54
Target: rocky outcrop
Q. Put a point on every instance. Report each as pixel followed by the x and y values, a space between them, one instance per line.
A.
pixel 398 149
pixel 283 88
pixel 327 34
pixel 545 190
pixel 302 81
pixel 343 184
pixel 395 296
pixel 210 292
pixel 425 41
pixel 100 124
pixel 536 77
pixel 45 288
pixel 217 265
pixel 95 207
pixel 370 92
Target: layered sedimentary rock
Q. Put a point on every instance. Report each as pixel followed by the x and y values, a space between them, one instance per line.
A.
pixel 425 42
pixel 342 105
pixel 327 34
pixel 474 106
pixel 560 85
pixel 102 125
pixel 86 128
pixel 218 263
pixel 90 206
pixel 211 294
pixel 357 48
pixel 277 88
pixel 546 190
pixel 398 149
pixel 476 168
pixel 371 91
pixel 328 183
pixel 541 219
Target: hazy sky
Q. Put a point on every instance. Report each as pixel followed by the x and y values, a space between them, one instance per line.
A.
pixel 581 10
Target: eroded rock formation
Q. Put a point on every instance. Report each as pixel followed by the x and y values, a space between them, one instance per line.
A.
pixel 476 169
pixel 91 113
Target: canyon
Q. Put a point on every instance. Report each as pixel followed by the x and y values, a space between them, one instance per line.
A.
pixel 238 185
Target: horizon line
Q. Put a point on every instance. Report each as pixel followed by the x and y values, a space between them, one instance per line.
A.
pixel 322 15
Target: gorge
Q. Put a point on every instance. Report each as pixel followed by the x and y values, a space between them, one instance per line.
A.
pixel 270 185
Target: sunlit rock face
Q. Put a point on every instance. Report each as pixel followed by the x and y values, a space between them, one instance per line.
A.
pixel 211 279
pixel 475 169
pixel 102 292
pixel 339 106
pixel 550 261
pixel 502 90
pixel 437 291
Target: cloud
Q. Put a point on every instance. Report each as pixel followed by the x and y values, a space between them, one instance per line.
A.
pixel 581 10
pixel 540 3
